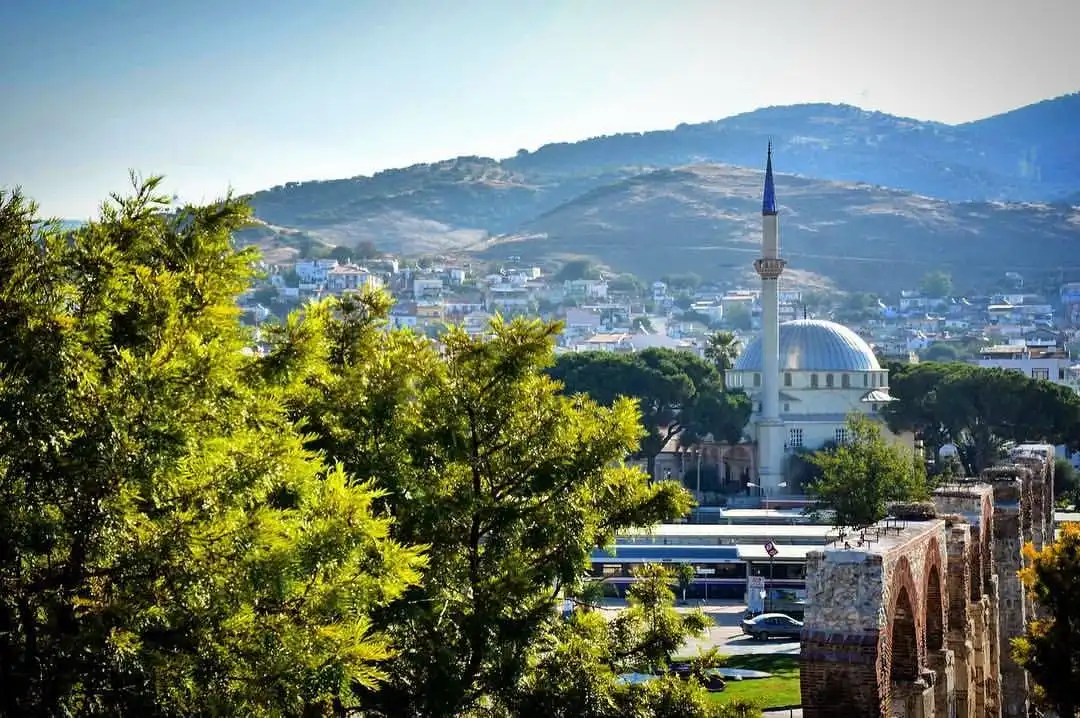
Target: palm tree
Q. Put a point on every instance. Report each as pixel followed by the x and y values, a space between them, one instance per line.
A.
pixel 721 348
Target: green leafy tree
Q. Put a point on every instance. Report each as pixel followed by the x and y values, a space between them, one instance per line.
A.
pixel 1049 650
pixel 721 348
pixel 678 394
pixel 577 269
pixel 167 544
pixel 627 284
pixel 861 477
pixel 642 324
pixel 575 669
pixel 685 575
pixel 479 456
pixel 682 282
pixel 341 253
pixel 737 316
pixel 936 284
pixel 979 409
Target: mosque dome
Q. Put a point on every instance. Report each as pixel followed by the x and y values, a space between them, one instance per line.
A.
pixel 814 345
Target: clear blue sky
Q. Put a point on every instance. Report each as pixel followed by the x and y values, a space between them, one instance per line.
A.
pixel 253 93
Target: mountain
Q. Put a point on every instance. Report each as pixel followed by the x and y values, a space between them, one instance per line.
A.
pixel 707 219
pixel 1027 155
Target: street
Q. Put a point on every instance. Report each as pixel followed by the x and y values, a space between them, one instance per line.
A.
pixel 725 632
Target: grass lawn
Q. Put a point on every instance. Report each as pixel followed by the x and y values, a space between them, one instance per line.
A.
pixel 780 690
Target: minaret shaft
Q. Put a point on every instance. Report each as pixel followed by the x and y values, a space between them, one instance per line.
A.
pixel 769 267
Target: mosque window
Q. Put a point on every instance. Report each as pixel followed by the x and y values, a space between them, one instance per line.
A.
pixel 787 378
pixel 829 380
pixel 757 379
pixel 787 407
pixel 795 438
pixel 841 436
pixel 813 381
pixel 845 381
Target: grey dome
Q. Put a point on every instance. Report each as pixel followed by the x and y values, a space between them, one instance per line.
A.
pixel 814 345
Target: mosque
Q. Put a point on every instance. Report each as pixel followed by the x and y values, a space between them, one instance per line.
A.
pixel 805 377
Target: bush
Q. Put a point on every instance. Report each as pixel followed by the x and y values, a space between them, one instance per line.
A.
pixel 913 511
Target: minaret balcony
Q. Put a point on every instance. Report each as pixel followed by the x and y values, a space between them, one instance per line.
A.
pixel 769 267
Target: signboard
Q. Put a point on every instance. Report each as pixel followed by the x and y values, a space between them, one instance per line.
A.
pixel 770 548
pixel 755 584
pixel 704 571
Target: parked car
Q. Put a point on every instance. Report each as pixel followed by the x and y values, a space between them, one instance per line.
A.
pixel 768 625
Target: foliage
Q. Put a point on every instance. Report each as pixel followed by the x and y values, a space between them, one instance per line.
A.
pixel 642 324
pixel 721 348
pixel 1066 481
pixel 679 394
pixel 737 316
pixel 577 269
pixel 628 284
pixel 861 477
pixel 478 455
pixel 748 697
pixel 979 408
pixel 685 575
pixel 167 544
pixel 1050 647
pixel 936 284
pixel 575 669
pixel 682 283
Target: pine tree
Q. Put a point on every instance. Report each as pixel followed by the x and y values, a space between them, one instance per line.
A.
pixel 168 546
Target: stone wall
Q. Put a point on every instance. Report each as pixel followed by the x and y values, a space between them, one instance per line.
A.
pixel 865 647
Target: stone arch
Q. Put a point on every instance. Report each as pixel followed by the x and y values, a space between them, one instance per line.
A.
pixel 903 631
pixel 975 563
pixel 935 611
pixel 904 639
pixel 933 601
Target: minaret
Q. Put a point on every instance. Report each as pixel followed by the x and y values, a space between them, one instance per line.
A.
pixel 769 267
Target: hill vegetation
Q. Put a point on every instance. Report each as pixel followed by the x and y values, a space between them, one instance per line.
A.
pixel 1024 156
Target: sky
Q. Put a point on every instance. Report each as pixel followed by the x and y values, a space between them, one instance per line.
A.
pixel 248 94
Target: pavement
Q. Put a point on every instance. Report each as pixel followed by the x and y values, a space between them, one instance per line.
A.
pixel 725 633
pixel 794 713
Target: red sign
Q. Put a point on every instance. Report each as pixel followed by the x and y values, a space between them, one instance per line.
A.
pixel 770 548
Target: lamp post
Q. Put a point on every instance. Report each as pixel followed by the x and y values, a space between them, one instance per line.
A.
pixel 698 451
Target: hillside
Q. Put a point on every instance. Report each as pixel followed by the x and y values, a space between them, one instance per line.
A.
pixel 707 219
pixel 1026 155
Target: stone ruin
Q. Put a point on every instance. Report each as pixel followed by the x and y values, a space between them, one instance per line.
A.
pixel 913 616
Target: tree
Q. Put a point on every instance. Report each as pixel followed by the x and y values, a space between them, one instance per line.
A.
pixel 167 545
pixel 721 348
pixel 577 269
pixel 365 250
pixel 509 483
pixel 1049 650
pixel 1066 482
pixel 979 409
pixel 576 667
pixel 685 575
pixel 861 477
pixel 341 253
pixel 643 324
pixel 678 394
pixel 737 316
pixel 682 282
pixel 626 283
pixel 936 284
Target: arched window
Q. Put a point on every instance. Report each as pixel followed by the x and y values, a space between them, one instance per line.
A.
pixel 845 381
pixel 829 380
pixel 787 378
pixel 813 381
pixel 757 379
pixel 866 380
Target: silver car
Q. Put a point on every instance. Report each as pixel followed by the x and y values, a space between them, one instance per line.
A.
pixel 768 625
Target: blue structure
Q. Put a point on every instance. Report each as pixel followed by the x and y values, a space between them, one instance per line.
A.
pixel 768 199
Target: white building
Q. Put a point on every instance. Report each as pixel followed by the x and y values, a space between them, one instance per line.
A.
pixel 350 278
pixel 804 377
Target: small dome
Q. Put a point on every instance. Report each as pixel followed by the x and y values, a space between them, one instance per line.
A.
pixel 814 345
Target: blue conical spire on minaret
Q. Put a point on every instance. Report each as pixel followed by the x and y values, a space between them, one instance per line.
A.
pixel 768 200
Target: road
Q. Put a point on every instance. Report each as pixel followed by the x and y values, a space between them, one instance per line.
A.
pixel 725 633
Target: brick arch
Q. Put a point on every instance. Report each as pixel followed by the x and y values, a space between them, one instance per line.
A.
pixel 986 527
pixel 903 630
pixel 933 602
